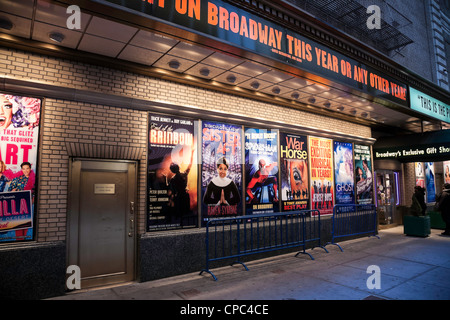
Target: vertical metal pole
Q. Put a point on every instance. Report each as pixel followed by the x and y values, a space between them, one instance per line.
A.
pixel 207 246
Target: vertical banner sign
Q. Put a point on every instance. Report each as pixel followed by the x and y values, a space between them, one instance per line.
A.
pixel 19 132
pixel 321 153
pixel 172 173
pixel 344 173
pixel 364 178
pixel 420 174
pixel 221 180
pixel 261 170
pixel 294 172
pixel 446 165
pixel 430 183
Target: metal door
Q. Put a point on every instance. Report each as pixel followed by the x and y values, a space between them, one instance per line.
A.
pixel 101 231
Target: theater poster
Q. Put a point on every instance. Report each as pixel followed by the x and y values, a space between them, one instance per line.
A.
pixel 19 128
pixel 446 167
pixel 364 177
pixel 294 172
pixel 221 169
pixel 172 173
pixel 261 171
pixel 430 182
pixel 322 186
pixel 420 174
pixel 344 173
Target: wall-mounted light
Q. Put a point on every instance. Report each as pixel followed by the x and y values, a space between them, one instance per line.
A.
pixel 5 24
pixel 364 114
pixel 204 72
pixel 56 36
pixel 231 78
pixel 295 95
pixel 276 90
pixel 174 64
pixel 255 84
pixel 340 108
pixel 312 100
pixel 353 111
pixel 327 104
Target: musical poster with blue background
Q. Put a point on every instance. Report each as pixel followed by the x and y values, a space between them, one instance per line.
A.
pixel 221 170
pixel 261 170
pixel 344 173
pixel 430 182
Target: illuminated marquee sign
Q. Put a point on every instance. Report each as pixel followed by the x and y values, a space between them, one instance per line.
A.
pixel 428 105
pixel 231 24
pixel 427 146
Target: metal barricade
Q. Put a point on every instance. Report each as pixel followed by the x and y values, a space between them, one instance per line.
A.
pixel 313 228
pixel 352 220
pixel 235 237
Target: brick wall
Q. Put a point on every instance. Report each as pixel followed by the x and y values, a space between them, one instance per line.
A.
pixel 66 122
pixel 73 122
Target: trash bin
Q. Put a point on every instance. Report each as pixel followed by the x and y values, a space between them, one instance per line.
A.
pixel 417 226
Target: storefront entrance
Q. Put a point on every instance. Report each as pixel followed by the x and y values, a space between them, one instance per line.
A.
pixel 101 229
pixel 387 196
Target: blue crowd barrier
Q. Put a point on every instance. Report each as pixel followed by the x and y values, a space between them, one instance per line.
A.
pixel 235 237
pixel 352 220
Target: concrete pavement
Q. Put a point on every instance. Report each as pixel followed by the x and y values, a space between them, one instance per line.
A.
pixel 411 268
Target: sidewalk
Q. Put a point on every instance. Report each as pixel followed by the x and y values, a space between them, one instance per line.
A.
pixel 412 268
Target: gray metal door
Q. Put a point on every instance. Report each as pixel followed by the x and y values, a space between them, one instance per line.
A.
pixel 101 231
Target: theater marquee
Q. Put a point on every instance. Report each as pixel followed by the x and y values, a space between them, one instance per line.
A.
pixel 231 24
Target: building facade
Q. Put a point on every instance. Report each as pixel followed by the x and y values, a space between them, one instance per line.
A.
pixel 124 116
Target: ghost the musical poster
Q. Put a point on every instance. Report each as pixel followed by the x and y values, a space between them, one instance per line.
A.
pixel 344 173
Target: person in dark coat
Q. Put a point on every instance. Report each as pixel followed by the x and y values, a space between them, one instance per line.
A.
pixel 418 206
pixel 443 205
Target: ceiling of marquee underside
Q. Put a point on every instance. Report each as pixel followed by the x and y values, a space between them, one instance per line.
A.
pixel 37 19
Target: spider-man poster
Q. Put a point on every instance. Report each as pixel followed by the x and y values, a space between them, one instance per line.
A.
pixel 261 171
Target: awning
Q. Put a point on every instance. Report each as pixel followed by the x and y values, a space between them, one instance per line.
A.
pixel 428 146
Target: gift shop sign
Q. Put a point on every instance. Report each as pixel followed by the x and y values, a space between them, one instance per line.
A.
pixel 220 20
